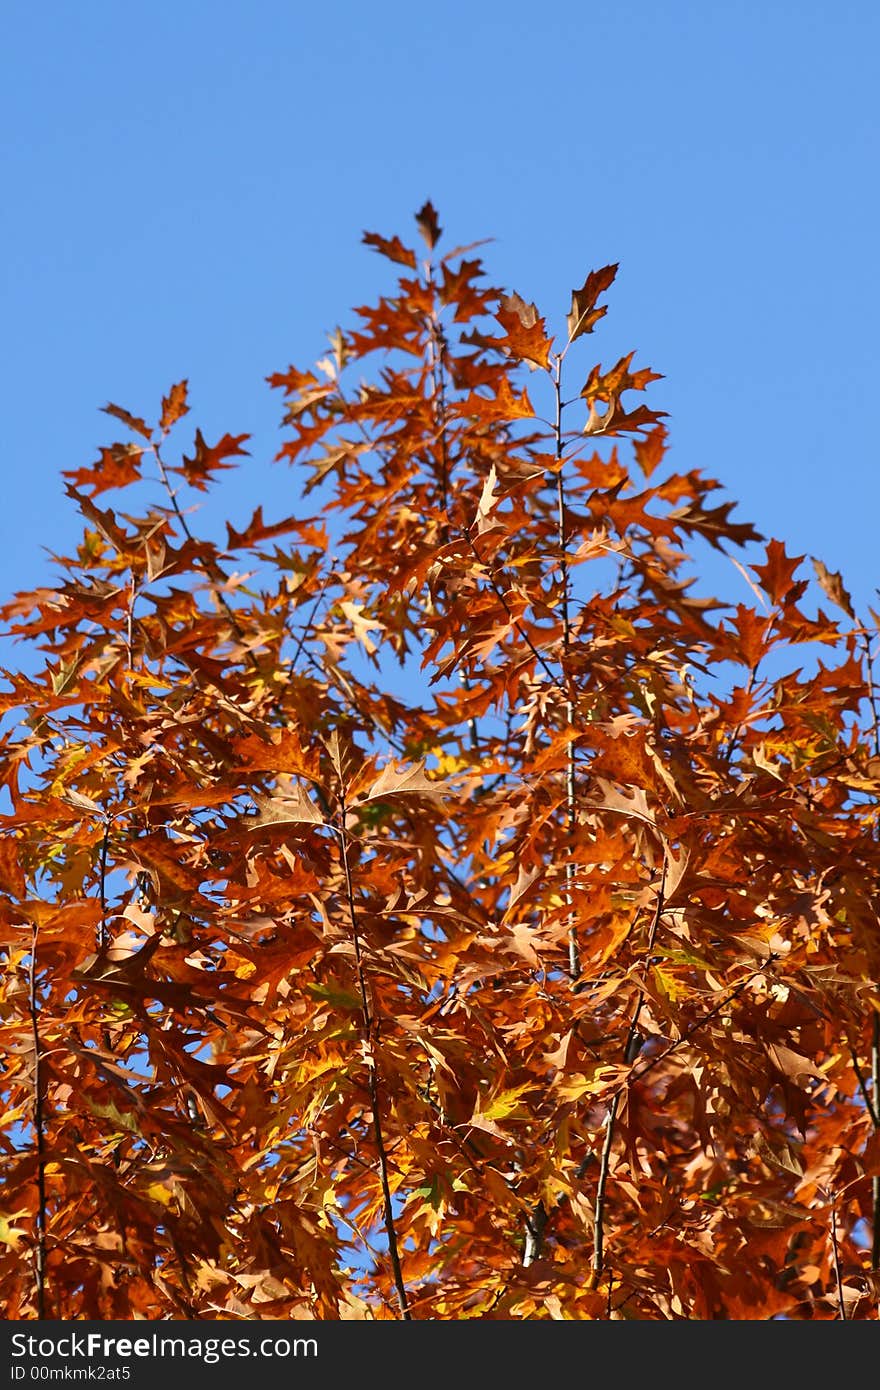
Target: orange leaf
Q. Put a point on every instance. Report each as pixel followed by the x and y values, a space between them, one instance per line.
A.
pixel 12 879
pixel 526 337
pixel 777 575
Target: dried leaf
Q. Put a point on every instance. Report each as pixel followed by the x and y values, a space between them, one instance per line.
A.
pixel 832 585
pixel 173 406
pixel 584 315
pixel 402 780
pixel 426 221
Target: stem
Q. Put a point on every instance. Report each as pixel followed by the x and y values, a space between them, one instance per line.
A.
pixel 632 1048
pixel 536 1224
pixel 875 1181
pixel 836 1253
pixel 599 1210
pixel 102 926
pixel 438 379
pixel 697 1024
pixel 369 1020
pixel 39 1122
pixel 872 693
pixel 574 956
pixel 212 568
pixel 734 737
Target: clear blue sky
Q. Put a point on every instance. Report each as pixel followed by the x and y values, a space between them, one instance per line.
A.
pixel 185 185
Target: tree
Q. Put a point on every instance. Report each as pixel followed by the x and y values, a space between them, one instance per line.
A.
pixel 434 906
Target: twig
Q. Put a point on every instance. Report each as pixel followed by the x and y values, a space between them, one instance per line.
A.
pixel 39 1123
pixel 631 1051
pixel 102 925
pixel 599 1210
pixel 536 1224
pixel 369 1029
pixel 836 1253
pixel 872 693
pixel 574 955
pixel 875 1181
pixel 696 1025
pixel 863 1087
pixel 291 664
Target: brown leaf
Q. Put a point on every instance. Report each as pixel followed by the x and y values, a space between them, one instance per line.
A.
pixel 257 530
pixel 12 879
pixel 294 807
pixel 426 221
pixel 790 1063
pixel 173 406
pixel 207 459
pixel 394 250
pixel 134 422
pixel 832 585
pixel 584 315
pixel 402 781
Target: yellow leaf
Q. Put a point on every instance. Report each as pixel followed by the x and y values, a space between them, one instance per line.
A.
pixel 11 1235
pixel 160 1193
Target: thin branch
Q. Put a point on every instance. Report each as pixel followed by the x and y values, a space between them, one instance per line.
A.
pixel 574 955
pixel 633 1041
pixel 102 925
pixel 875 1182
pixel 369 1020
pixel 863 1086
pixel 39 1130
pixel 536 1224
pixel 631 1051
pixel 872 693
pixel 696 1025
pixel 734 737
pixel 599 1210
pixel 437 342
pixel 836 1253
pixel 502 599
pixel 291 664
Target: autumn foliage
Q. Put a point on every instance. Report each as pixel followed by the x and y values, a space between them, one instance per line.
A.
pixel 433 903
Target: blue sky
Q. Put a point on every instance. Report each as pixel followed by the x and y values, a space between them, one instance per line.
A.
pixel 186 185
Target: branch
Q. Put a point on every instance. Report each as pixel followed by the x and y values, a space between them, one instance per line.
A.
pixel 599 1211
pixel 875 1181
pixel 836 1253
pixel 39 1122
pixel 102 926
pixel 574 955
pixel 696 1025
pixel 631 1051
pixel 373 1067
